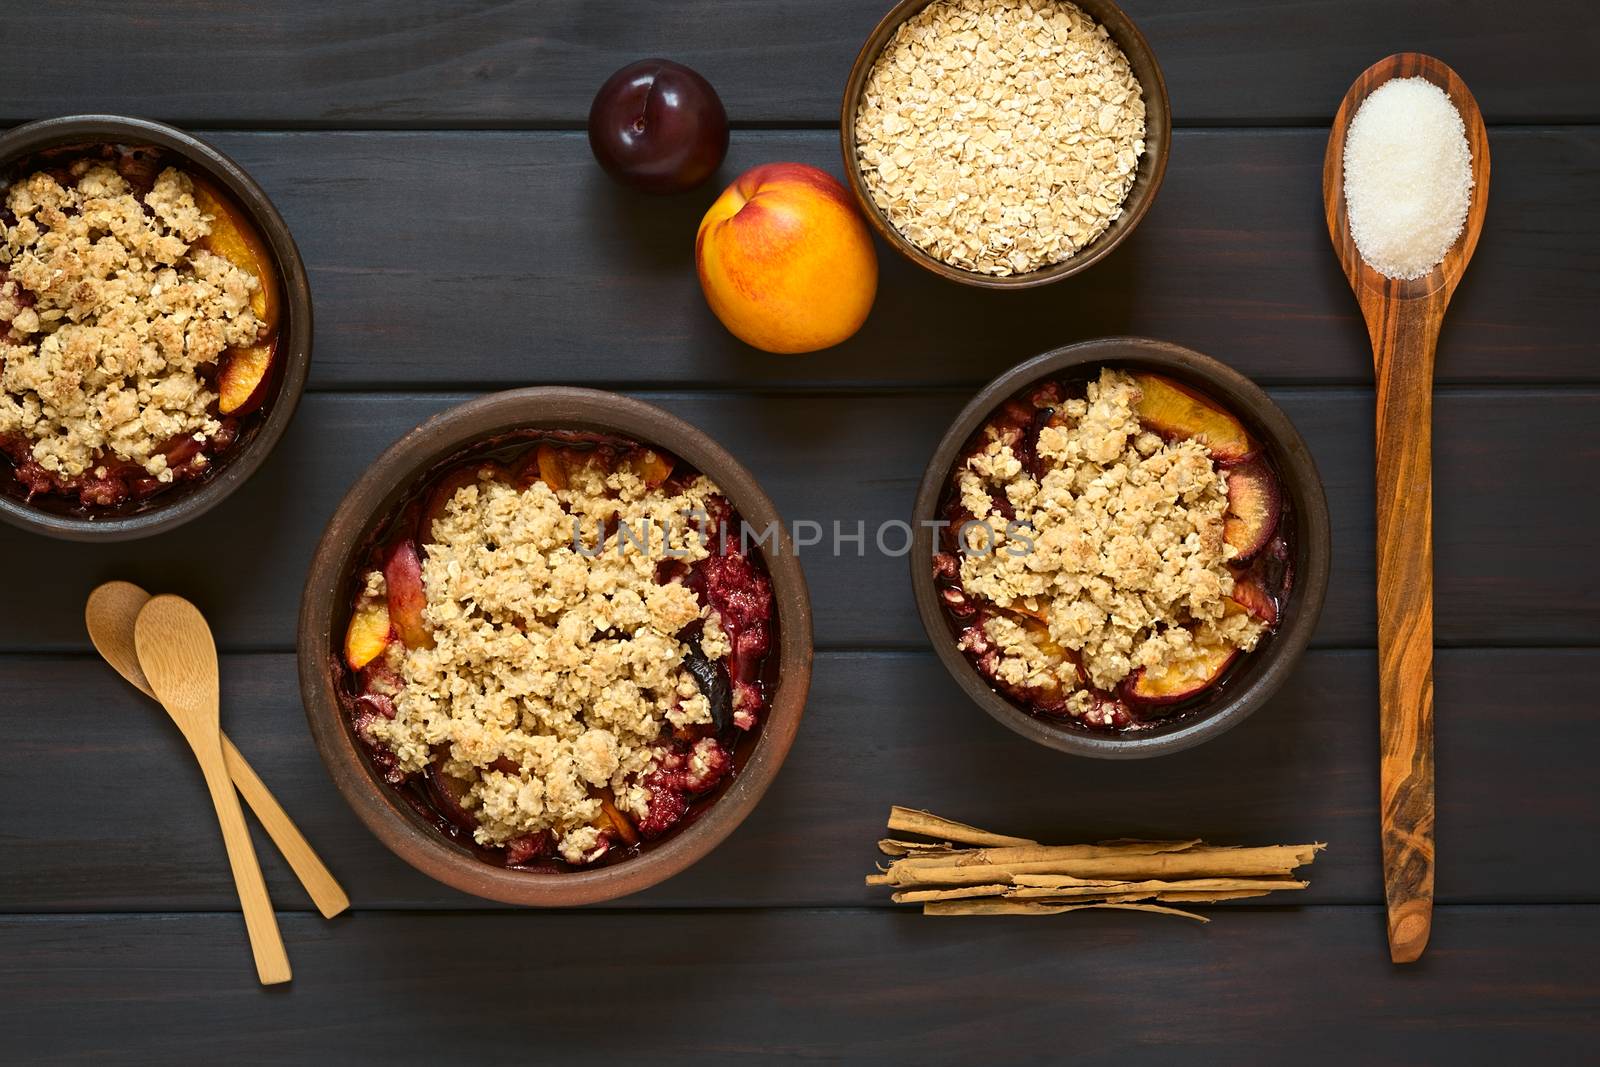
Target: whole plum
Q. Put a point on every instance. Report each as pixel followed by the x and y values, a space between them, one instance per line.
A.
pixel 658 126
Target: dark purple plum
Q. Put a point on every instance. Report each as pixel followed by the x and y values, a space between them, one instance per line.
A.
pixel 658 126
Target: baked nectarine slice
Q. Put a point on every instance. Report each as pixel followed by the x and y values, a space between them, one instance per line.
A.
pixel 1254 504
pixel 1185 677
pixel 242 378
pixel 368 635
pixel 552 464
pixel 651 466
pixel 402 573
pixel 1250 596
pixel 1175 411
pixel 445 491
pixel 235 238
pixel 241 383
pixel 613 816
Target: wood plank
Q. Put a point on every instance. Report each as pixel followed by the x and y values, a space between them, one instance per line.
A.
pixel 130 829
pixel 1303 986
pixel 469 62
pixel 472 259
pixel 1506 540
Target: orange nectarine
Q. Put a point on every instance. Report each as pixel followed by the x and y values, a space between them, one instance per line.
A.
pixel 786 261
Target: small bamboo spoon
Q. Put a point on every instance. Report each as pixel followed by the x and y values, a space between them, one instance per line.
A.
pixel 1403 320
pixel 179 658
pixel 110 615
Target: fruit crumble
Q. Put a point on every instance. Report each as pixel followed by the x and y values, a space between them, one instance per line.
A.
pixel 138 315
pixel 1113 546
pixel 556 651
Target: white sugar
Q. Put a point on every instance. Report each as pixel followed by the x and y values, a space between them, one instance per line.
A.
pixel 1407 177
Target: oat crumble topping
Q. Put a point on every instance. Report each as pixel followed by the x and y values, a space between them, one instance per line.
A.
pixel 554 673
pixel 110 314
pixel 1127 566
pixel 1001 136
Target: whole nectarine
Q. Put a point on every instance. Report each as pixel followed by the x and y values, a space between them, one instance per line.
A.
pixel 786 261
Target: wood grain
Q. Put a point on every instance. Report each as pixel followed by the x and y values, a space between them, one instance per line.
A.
pixel 476 63
pixel 882 728
pixel 1281 985
pixel 416 284
pixel 1404 319
pixel 1508 557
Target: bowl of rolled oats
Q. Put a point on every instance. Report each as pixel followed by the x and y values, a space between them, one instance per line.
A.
pixel 155 327
pixel 554 646
pixel 1005 143
pixel 1121 548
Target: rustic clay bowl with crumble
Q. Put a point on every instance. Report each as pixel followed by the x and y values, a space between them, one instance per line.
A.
pixel 1299 536
pixel 271 404
pixel 1152 165
pixel 465 435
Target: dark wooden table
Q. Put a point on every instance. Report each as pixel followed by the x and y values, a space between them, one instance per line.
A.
pixel 430 160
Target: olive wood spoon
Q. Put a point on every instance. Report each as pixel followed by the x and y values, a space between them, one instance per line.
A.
pixel 110 614
pixel 179 658
pixel 1403 320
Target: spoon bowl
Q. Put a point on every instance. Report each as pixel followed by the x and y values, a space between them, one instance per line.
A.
pixel 1403 320
pixel 1444 277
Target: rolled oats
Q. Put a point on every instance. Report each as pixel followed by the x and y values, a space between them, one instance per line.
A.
pixel 1000 136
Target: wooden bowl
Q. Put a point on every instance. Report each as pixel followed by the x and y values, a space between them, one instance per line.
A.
pixel 1257 675
pixel 178 505
pixel 1152 165
pixel 325 610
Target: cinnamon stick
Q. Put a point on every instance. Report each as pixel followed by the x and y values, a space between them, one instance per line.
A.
pixel 1238 863
pixel 892 847
pixel 1038 853
pixel 964 870
pixel 1202 888
pixel 1034 907
pixel 913 821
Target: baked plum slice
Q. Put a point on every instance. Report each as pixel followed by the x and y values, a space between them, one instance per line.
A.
pixel 1254 505
pixel 713 683
pixel 402 573
pixel 1175 411
pixel 1250 596
pixel 449 796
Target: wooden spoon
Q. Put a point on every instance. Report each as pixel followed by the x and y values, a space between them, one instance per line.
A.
pixel 110 615
pixel 1403 319
pixel 180 660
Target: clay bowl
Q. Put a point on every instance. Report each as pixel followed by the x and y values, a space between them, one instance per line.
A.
pixel 325 611
pixel 261 432
pixel 1152 165
pixel 1257 675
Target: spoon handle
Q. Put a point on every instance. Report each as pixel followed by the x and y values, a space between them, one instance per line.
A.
pixel 325 891
pixel 266 943
pixel 1403 341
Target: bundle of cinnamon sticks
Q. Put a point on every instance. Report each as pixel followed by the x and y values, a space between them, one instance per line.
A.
pixel 962 870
